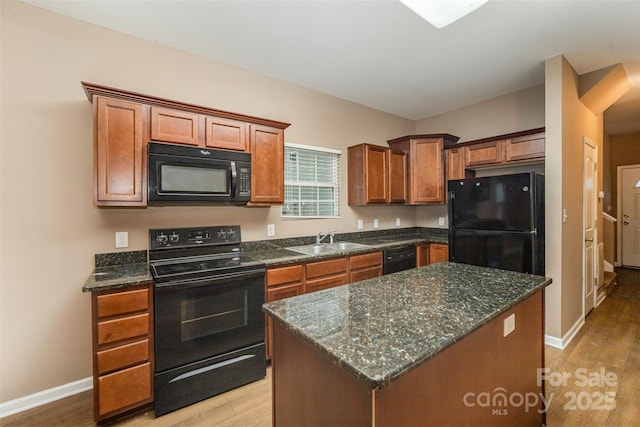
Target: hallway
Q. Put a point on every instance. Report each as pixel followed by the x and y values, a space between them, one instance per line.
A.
pixel 601 365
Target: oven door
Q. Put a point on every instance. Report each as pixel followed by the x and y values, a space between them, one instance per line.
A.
pixel 196 319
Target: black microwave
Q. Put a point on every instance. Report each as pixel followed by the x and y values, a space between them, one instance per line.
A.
pixel 193 175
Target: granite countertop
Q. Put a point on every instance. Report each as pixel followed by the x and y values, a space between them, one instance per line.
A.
pixel 274 253
pixel 118 270
pixel 122 269
pixel 379 329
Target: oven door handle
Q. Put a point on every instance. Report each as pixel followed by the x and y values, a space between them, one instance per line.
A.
pixel 212 280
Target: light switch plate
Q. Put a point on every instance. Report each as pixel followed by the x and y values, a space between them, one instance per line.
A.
pixel 360 224
pixel 440 220
pixel 397 222
pixel 271 230
pixel 375 223
pixel 122 239
pixel 509 324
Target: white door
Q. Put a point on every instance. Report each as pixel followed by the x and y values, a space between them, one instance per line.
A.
pixel 590 194
pixel 630 216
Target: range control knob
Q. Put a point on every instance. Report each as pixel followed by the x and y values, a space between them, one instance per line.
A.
pixel 232 233
pixel 174 238
pixel 162 239
pixel 222 234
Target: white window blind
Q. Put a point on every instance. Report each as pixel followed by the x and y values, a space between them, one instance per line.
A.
pixel 311 182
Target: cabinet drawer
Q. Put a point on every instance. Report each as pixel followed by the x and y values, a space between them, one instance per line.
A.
pixel 483 154
pixel 325 283
pixel 175 126
pixel 364 274
pixel 325 268
pixel 123 356
pixel 279 276
pixel 122 302
pixel 125 388
pixel 285 291
pixel 366 260
pixel 119 329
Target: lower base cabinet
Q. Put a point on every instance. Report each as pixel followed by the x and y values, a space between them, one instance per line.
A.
pixel 289 281
pixel 122 351
pixel 432 253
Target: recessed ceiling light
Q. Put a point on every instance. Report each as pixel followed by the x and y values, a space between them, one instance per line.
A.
pixel 441 13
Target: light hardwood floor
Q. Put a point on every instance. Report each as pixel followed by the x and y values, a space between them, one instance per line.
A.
pixel 609 343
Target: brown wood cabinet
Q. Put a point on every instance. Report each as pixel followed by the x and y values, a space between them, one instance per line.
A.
pixel 292 280
pixel 366 266
pixel 122 350
pixel 125 122
pixel 425 166
pixel 431 253
pixel 325 274
pixel 227 134
pixel 368 174
pixel 267 165
pixel 438 252
pixel 119 158
pixel 397 177
pixel 282 282
pixel 502 150
pixel 175 126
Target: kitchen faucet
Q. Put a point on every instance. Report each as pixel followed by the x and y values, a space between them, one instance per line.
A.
pixel 322 235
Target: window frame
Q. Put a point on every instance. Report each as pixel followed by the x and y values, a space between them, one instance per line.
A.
pixel 336 185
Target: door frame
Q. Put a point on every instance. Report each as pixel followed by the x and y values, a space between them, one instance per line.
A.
pixel 618 260
pixel 586 141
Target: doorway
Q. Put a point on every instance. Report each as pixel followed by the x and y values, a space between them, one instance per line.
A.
pixel 629 215
pixel 590 204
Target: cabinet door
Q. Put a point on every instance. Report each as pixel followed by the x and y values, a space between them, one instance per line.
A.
pixel 226 134
pixel 438 252
pixel 124 389
pixel 326 274
pixel 267 165
pixel 488 153
pixel 422 255
pixel 427 175
pixel 119 153
pixel 397 177
pixel 376 174
pixel 275 293
pixel 365 266
pixel 529 147
pixel 455 163
pixel 179 127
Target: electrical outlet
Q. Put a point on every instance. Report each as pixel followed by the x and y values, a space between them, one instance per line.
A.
pixel 509 324
pixel 397 222
pixel 440 220
pixel 375 223
pixel 122 239
pixel 360 224
pixel 271 230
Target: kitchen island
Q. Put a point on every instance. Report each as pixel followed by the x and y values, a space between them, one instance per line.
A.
pixel 427 346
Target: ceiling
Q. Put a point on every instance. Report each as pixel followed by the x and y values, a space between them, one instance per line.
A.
pixel 380 54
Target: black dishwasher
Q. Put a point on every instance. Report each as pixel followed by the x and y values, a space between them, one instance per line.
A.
pixel 398 259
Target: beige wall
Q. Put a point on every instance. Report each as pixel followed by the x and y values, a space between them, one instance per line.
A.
pixel 567 122
pixel 50 229
pixel 514 112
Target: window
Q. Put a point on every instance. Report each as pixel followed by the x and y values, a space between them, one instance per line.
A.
pixel 311 182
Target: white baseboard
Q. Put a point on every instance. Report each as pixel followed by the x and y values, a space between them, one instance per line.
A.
pixel 562 343
pixel 42 397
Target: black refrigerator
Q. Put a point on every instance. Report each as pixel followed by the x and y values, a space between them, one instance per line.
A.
pixel 498 222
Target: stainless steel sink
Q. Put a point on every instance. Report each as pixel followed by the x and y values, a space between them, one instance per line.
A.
pixel 326 248
pixel 345 246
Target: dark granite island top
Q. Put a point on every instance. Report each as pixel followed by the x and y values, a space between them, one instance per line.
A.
pixel 381 329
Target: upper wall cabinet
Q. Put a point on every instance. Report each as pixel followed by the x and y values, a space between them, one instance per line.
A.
pixel 503 150
pixel 425 168
pixel 120 178
pixel 125 122
pixel 376 176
